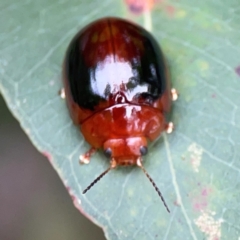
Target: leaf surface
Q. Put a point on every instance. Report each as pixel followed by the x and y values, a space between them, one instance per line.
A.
pixel 197 167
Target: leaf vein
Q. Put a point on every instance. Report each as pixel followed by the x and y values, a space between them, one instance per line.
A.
pixel 176 187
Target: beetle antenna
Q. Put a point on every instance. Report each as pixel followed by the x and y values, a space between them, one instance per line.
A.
pixel 113 165
pixel 139 164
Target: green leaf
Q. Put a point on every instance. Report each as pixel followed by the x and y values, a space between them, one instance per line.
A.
pixel 197 167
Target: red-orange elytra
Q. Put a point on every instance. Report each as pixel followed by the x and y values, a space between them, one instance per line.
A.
pixel 117 90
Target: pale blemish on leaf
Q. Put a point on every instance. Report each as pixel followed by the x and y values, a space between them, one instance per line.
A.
pixel 51 83
pixel 218 27
pixel 180 13
pixel 195 156
pixel 130 192
pixel 133 212
pixel 203 65
pixel 208 225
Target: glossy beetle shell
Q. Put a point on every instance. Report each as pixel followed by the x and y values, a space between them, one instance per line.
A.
pixel 117 87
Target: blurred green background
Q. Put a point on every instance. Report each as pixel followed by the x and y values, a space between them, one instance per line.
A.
pixel 34 204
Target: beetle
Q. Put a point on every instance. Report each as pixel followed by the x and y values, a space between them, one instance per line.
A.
pixel 117 90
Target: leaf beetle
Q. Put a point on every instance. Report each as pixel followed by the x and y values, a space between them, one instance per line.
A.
pixel 118 92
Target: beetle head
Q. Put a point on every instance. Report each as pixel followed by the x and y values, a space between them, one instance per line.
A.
pixel 125 151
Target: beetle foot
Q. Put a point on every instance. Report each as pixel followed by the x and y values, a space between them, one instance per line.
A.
pixel 169 127
pixel 85 158
pixel 174 94
pixel 62 93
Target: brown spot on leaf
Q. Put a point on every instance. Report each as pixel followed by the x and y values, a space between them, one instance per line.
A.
pixel 139 6
pixel 237 70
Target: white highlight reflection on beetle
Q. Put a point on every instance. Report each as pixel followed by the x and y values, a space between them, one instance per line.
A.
pixel 114 72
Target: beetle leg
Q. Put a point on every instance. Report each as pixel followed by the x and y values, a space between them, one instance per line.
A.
pixel 174 94
pixel 62 93
pixel 85 158
pixel 169 127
